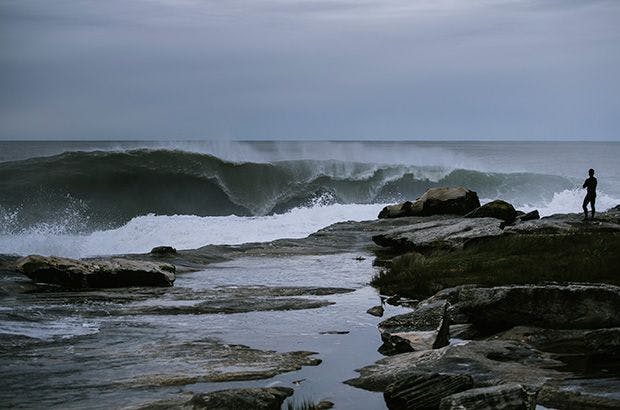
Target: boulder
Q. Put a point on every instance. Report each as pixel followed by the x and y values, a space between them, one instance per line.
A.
pixel 424 390
pixel 495 209
pixel 443 233
pixel 376 311
pixel 96 273
pixel 435 201
pixel 427 327
pixel 163 251
pixel 509 396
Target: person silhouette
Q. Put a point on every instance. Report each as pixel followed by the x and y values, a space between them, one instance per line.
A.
pixel 590 185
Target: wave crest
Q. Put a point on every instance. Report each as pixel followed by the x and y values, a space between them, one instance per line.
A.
pixel 103 190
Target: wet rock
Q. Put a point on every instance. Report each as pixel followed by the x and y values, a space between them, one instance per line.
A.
pixel 487 362
pixel 555 398
pixel 554 306
pixel 96 273
pixel 585 351
pixel 188 364
pixel 267 398
pixel 424 390
pixel 335 332
pixel 443 233
pixel 393 300
pixel 427 327
pixel 583 341
pixel 495 209
pixel 435 201
pixel 324 405
pixel 463 331
pixel 229 306
pixel 510 396
pixel 163 251
pixel 376 311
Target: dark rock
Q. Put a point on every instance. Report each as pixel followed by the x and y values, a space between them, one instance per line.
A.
pixel 488 362
pixel 495 209
pixel 554 398
pixel 510 396
pixel 96 273
pixel 438 234
pixel 376 311
pixel 573 306
pixel 335 332
pixel 269 398
pixel 435 201
pixel 530 216
pixel 464 331
pixel 427 327
pixel 393 300
pixel 584 351
pixel 163 251
pixel 324 405
pixel 424 390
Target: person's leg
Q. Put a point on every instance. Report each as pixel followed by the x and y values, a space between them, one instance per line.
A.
pixel 592 202
pixel 585 206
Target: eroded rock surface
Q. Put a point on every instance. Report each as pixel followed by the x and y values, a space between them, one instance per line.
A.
pixel 444 233
pixel 424 390
pixel 488 362
pixel 510 396
pixel 96 273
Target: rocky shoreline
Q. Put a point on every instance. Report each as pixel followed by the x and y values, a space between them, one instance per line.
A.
pixel 508 346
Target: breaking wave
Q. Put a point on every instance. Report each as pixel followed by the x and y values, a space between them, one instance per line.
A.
pixel 88 191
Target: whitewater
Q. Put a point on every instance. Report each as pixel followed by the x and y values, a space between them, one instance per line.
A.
pixel 81 199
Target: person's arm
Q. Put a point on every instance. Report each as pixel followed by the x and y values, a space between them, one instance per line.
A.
pixel 585 184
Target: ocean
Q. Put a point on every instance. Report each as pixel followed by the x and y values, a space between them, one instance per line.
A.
pixel 244 315
pixel 86 198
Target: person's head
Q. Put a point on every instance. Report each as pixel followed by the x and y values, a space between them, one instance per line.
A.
pixel 591 172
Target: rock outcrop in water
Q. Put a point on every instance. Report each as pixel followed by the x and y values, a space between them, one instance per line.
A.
pixel 550 327
pixel 435 201
pixel 96 273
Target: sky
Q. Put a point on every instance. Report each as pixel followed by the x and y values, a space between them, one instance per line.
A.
pixel 310 69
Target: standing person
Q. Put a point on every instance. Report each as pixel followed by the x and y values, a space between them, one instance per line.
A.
pixel 590 185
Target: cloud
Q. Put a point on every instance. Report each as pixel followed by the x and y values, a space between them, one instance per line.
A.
pixel 309 69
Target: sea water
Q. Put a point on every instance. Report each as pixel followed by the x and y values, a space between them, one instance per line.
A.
pixel 85 198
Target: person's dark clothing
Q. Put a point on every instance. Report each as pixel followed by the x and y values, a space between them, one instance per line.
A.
pixel 590 185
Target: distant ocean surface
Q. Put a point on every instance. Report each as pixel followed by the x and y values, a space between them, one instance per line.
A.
pixel 81 198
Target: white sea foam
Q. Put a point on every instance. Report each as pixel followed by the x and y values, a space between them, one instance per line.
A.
pixel 143 233
pixel 65 328
pixel 569 201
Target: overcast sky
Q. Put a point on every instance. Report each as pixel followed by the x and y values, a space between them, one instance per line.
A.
pixel 309 69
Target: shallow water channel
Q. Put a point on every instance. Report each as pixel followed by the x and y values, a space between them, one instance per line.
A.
pixel 128 347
